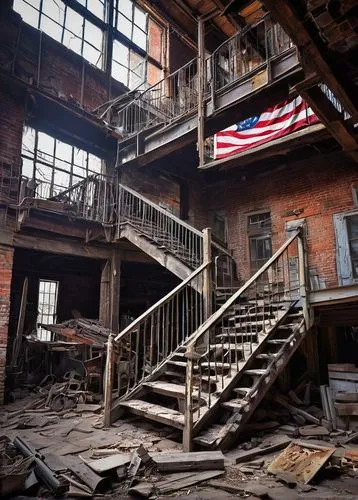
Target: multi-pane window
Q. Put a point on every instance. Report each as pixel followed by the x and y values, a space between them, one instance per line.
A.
pixel 137 55
pixel 138 63
pixel 218 223
pixel 47 307
pixel 55 165
pixel 352 228
pixel 66 25
pixel 260 243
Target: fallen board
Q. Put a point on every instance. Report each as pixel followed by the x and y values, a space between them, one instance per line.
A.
pixel 182 462
pixel 107 464
pixel 302 460
pixel 184 480
pixel 347 397
pixel 346 408
pixel 237 456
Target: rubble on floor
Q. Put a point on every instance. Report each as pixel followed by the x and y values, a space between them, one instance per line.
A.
pixel 69 452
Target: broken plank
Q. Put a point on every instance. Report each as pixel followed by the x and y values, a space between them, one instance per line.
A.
pixel 182 462
pixel 108 464
pixel 346 408
pixel 237 456
pixel 177 483
pixel 313 430
pixel 347 397
pixel 143 489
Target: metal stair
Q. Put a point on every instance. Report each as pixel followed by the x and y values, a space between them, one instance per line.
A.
pixel 213 379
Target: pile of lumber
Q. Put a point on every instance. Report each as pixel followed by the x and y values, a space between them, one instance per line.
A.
pixel 343 385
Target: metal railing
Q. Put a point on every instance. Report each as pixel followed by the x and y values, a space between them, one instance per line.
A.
pixel 163 227
pixel 246 51
pixel 151 339
pixel 170 98
pixel 220 347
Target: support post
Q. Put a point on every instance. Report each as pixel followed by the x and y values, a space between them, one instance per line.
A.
pixel 302 278
pixel 201 88
pixel 104 299
pixel 108 382
pixel 188 416
pixel 115 292
pixel 208 282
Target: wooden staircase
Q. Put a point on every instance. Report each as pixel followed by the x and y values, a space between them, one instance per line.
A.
pixel 210 382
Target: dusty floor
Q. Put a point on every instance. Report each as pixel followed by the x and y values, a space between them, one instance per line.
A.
pixel 78 435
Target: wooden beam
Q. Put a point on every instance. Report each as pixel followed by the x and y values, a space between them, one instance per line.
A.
pixel 284 12
pixel 332 120
pixel 105 294
pixel 65 247
pixel 115 291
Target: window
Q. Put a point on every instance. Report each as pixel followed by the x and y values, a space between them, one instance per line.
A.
pixel 260 243
pixel 55 165
pixel 346 230
pixel 352 228
pixel 137 56
pixel 47 307
pixel 67 26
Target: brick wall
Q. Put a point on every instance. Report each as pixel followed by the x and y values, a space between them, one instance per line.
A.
pixel 320 187
pixel 6 260
pixel 154 186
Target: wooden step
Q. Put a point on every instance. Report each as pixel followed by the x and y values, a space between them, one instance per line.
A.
pixel 208 437
pixel 257 372
pixel 234 404
pixel 155 412
pixel 242 390
pixel 169 389
pixel 266 356
pixel 288 326
pixel 277 341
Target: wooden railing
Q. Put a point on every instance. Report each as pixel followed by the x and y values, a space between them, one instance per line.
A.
pixel 280 280
pixel 151 339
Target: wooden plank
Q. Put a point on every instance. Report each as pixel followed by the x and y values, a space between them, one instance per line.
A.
pixel 347 397
pixel 275 444
pixel 155 412
pixel 182 462
pixel 353 376
pixel 177 483
pixel 104 465
pixel 20 324
pixel 342 367
pixel 346 408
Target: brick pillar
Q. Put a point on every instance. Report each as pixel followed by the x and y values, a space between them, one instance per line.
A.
pixel 6 261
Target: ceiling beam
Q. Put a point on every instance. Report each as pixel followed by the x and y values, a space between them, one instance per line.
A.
pixel 283 11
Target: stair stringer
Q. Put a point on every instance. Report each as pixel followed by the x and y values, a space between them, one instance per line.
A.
pixel 236 422
pixel 211 413
pixel 163 257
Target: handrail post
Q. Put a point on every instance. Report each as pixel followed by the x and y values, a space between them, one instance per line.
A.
pixel 302 277
pixel 108 382
pixel 201 84
pixel 208 282
pixel 188 416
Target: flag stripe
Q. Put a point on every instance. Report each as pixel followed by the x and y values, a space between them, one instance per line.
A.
pixel 273 123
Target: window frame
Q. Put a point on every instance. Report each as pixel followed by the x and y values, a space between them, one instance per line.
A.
pixel 256 232
pixel 40 332
pixel 34 156
pixel 344 261
pixel 110 34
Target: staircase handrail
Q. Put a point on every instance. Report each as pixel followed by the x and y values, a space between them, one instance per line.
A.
pixel 210 322
pixel 149 89
pixel 173 217
pixel 160 302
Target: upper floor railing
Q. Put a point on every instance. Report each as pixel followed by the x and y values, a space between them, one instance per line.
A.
pixel 177 94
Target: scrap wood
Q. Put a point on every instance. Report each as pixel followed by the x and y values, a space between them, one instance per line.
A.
pixel 347 397
pixel 175 482
pixel 346 408
pixel 302 460
pixel 104 465
pixel 295 411
pixel 350 438
pixel 182 462
pixel 274 444
pixel 88 476
pixel 313 430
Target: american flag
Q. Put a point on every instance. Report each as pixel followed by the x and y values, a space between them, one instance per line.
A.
pixel 274 122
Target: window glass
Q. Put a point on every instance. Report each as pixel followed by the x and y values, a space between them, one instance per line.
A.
pixel 29 11
pixel 58 166
pixel 46 307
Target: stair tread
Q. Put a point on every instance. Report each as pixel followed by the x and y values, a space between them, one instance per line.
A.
pixel 155 412
pixel 241 390
pixel 256 371
pixel 234 404
pixel 168 389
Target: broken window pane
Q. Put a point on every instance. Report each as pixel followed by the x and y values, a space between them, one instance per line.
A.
pixel 29 11
pixel 54 10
